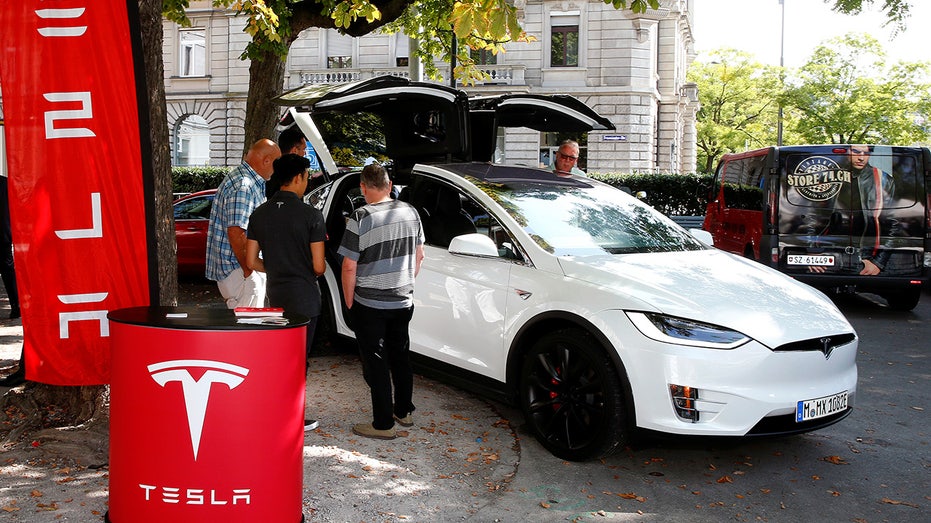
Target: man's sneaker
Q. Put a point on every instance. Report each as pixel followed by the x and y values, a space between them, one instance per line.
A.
pixel 406 421
pixel 310 424
pixel 367 430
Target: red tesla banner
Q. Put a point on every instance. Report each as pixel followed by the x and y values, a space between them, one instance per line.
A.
pixel 79 176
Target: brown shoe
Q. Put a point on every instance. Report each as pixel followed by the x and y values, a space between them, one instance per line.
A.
pixel 406 421
pixel 368 431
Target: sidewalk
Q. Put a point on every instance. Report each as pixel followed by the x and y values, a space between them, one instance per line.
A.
pixel 458 451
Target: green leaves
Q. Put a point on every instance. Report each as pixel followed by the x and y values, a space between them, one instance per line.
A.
pixel 739 108
pixel 636 6
pixel 847 93
pixel 349 11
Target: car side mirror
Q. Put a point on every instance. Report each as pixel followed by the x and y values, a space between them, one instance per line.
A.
pixel 473 244
pixel 702 236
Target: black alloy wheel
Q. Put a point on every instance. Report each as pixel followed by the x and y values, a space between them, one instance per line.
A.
pixel 572 396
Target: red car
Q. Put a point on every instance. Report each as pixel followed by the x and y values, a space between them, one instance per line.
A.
pixel 192 216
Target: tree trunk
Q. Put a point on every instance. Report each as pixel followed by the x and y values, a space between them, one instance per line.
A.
pixel 266 77
pixel 45 406
pixel 150 15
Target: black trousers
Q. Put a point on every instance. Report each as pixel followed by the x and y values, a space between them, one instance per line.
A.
pixel 384 347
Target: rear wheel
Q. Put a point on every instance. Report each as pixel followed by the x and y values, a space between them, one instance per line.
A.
pixel 905 300
pixel 573 397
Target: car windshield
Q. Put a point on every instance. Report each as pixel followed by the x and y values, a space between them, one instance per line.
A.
pixel 589 220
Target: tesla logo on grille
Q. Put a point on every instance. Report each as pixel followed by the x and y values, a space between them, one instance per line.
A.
pixel 197 391
pixel 826 347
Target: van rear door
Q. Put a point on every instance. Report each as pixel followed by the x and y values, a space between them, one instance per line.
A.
pixel 845 208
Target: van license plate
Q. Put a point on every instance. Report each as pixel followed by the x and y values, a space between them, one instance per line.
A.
pixel 820 407
pixel 821 260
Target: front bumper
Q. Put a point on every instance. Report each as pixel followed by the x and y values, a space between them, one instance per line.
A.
pixel 748 390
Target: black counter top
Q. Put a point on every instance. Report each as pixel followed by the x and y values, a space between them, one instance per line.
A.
pixel 195 318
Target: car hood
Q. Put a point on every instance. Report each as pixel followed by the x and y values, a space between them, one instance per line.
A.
pixel 715 287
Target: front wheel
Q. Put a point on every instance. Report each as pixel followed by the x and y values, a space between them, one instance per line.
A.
pixel 573 397
pixel 905 300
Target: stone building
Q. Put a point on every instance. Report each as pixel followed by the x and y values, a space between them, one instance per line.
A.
pixel 629 67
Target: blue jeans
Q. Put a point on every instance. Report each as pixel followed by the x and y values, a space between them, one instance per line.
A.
pixel 384 347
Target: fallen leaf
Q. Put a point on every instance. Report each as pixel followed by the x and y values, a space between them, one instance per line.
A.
pixel 725 479
pixel 631 495
pixel 837 460
pixel 816 477
pixel 897 502
pixel 544 504
pixel 36 494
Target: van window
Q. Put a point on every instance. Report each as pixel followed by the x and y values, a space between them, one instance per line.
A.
pixel 743 180
pixel 813 180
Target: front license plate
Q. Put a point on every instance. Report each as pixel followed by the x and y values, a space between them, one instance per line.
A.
pixel 820 407
pixel 820 260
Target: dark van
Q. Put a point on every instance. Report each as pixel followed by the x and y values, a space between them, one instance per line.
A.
pixel 838 217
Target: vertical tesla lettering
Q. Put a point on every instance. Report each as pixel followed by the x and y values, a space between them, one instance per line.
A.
pixel 61 14
pixel 85 112
pixel 96 230
pixel 65 317
pixel 197 392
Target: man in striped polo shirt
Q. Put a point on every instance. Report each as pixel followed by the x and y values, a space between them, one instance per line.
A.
pixel 382 250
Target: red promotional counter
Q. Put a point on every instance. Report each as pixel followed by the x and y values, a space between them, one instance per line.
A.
pixel 206 417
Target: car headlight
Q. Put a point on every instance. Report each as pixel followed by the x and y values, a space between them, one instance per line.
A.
pixel 680 331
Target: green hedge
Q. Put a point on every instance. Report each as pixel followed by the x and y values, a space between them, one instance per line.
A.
pixel 193 179
pixel 670 194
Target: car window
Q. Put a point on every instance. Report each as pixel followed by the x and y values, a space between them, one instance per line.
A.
pixel 446 212
pixel 194 208
pixel 589 220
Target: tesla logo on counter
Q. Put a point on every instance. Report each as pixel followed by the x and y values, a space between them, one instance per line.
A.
pixel 197 391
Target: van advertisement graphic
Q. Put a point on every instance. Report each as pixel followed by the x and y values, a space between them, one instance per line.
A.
pixel 860 207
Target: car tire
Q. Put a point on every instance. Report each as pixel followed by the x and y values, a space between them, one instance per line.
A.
pixel 903 300
pixel 573 397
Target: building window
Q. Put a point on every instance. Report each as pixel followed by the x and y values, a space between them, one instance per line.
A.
pixel 338 50
pixel 193 52
pixel 402 50
pixel 564 41
pixel 191 141
pixel 484 57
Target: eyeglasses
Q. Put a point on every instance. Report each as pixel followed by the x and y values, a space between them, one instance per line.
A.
pixel 568 156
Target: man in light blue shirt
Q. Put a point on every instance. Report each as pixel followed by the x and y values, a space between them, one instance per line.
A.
pixel 566 158
pixel 240 192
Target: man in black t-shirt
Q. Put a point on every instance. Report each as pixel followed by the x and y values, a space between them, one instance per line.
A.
pixel 290 235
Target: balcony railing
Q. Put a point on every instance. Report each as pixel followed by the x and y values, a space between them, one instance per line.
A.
pixel 497 75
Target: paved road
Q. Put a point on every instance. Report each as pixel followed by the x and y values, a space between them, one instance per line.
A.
pixel 873 466
pixel 470 460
